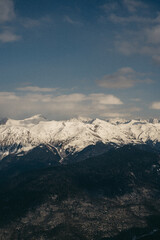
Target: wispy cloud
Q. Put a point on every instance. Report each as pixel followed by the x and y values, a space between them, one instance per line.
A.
pixel 127 47
pixel 133 5
pixel 36 89
pixel 144 37
pixel 69 20
pixel 7 12
pixel 7 17
pixel 135 109
pixel 116 115
pixel 156 58
pixel 135 99
pixel 10 22
pixel 145 42
pixel 32 23
pixel 153 34
pixel 124 78
pixel 110 6
pixel 133 19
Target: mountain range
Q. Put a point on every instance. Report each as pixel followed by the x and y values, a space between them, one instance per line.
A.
pixel 48 192
pixel 77 138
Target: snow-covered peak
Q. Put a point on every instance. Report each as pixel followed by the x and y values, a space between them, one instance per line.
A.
pixel 75 134
pixel 117 121
pixel 154 120
pixel 81 119
pixel 36 119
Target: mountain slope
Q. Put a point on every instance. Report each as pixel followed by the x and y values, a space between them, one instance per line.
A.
pixel 112 196
pixel 40 157
pixel 72 136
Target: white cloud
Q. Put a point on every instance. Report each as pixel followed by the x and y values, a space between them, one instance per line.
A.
pixel 9 36
pixel 57 107
pixel 7 96
pixel 155 105
pixel 105 99
pixel 36 89
pixel 7 12
pixel 75 97
pixel 124 78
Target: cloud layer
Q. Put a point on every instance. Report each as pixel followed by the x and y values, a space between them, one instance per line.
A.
pixel 63 106
pixel 36 89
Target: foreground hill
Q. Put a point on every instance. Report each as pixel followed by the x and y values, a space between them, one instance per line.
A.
pixel 112 196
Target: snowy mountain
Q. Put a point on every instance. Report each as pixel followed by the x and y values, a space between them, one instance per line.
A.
pixel 73 136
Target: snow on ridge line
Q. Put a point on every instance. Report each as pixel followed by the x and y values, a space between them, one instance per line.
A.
pixel 75 134
pixel 39 117
pixel 36 119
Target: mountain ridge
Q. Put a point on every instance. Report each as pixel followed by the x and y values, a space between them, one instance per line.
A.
pixel 73 136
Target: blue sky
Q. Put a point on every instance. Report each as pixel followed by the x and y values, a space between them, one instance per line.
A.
pixel 74 58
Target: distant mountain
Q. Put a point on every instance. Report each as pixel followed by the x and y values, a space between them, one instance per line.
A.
pixel 75 138
pixel 114 196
